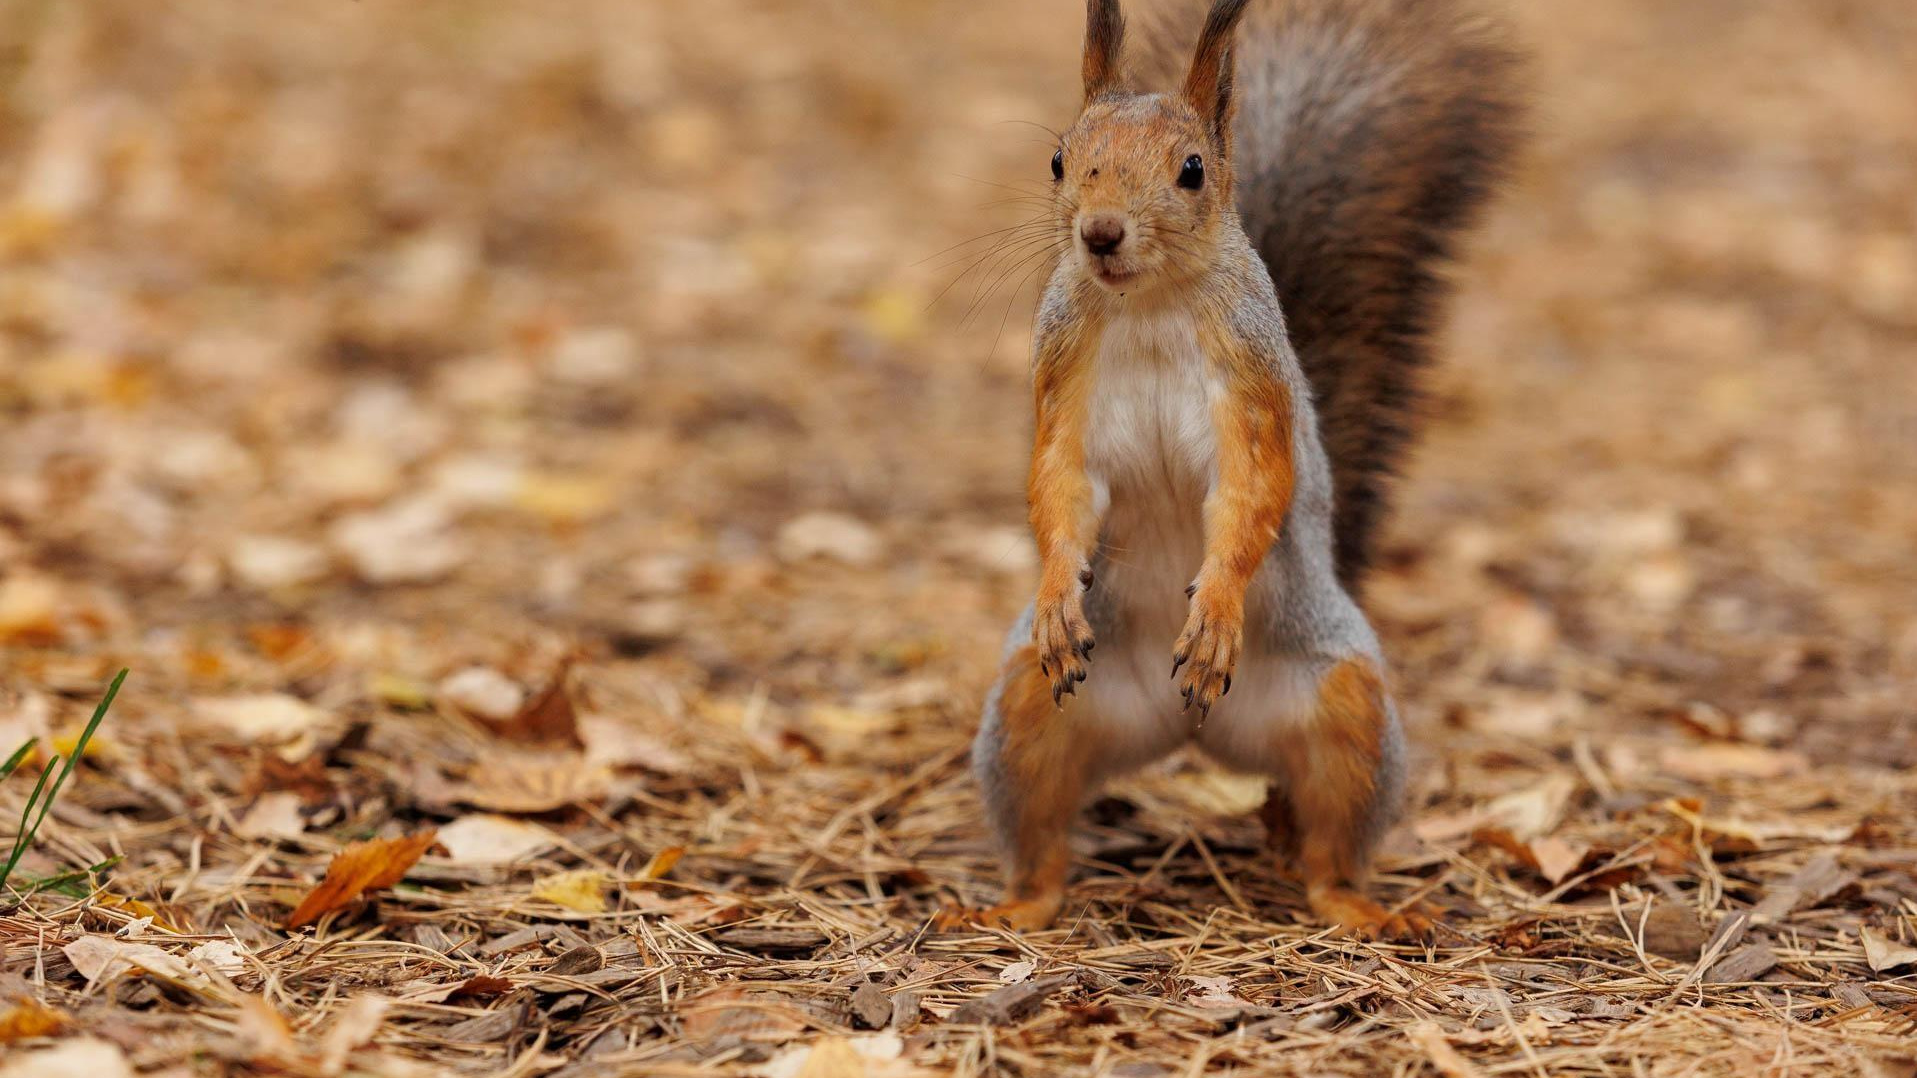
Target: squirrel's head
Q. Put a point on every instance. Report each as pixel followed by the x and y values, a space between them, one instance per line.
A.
pixel 1142 182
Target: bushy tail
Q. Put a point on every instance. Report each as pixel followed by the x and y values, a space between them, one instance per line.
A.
pixel 1369 133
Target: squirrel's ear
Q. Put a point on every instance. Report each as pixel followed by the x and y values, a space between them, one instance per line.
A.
pixel 1208 86
pixel 1104 33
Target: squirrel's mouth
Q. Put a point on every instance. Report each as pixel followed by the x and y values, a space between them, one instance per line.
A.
pixel 1112 276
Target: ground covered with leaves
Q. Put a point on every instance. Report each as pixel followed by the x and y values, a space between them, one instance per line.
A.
pixel 560 547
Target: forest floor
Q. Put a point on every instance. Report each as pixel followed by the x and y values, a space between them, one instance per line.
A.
pixel 530 445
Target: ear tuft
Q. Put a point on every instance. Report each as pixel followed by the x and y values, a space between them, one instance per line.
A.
pixel 1104 34
pixel 1208 87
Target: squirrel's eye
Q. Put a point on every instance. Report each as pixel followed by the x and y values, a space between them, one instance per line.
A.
pixel 1058 165
pixel 1192 176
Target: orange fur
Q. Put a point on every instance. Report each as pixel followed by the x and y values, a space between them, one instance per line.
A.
pixel 1059 494
pixel 1045 757
pixel 1246 508
pixel 1333 797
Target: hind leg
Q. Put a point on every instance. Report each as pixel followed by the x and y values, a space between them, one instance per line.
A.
pixel 1341 777
pixel 1034 764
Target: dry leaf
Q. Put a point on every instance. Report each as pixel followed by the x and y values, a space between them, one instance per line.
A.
pixel 274 815
pixel 547 717
pixel 1017 971
pixel 1557 858
pixel 1214 992
pixel 1449 1062
pixel 532 782
pixel 1532 812
pixel 28 1019
pixel 265 1032
pixel 87 1056
pixel 354 1029
pixel 484 693
pixel 99 958
pixel 660 864
pixel 226 956
pixel 1720 760
pixel 612 742
pixel 833 536
pixel 361 867
pixel 264 717
pixel 582 889
pixel 487 839
pixel 1884 954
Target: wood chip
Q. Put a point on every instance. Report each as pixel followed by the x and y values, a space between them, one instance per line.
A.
pixel 871 1006
pixel 1009 1004
pixel 1745 964
pixel 577 961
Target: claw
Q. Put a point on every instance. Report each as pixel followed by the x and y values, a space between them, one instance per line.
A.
pixel 1085 577
pixel 1226 691
pixel 1058 695
pixel 1178 660
pixel 1089 645
pixel 1078 675
pixel 1191 590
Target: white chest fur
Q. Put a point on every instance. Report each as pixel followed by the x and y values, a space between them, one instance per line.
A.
pixel 1151 407
pixel 1150 450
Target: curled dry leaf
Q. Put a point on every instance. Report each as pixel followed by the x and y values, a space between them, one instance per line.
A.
pixel 582 890
pixel 1885 954
pixel 99 958
pixel 28 1019
pixel 359 868
pixel 532 782
pixel 484 838
pixel 89 1056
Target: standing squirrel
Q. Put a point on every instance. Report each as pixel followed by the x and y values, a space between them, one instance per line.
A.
pixel 1207 472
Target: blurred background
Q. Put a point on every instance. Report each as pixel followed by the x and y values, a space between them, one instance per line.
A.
pixel 348 346
pixel 612 415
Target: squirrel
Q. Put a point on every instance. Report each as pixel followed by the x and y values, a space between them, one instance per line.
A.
pixel 1225 372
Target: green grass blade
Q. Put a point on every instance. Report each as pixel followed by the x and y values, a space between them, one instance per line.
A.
pixel 30 821
pixel 19 754
pixel 25 836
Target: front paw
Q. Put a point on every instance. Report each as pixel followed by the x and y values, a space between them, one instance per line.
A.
pixel 1064 641
pixel 1208 649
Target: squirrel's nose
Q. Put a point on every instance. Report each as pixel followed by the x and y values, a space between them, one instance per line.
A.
pixel 1102 233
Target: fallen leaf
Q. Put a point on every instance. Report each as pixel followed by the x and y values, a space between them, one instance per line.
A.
pixel 612 742
pixel 265 1033
pixel 87 1056
pixel 1430 1039
pixel 1884 954
pixel 28 1019
pixel 1214 992
pixel 564 499
pixel 1533 811
pixel 354 1029
pixel 1017 971
pixel 532 782
pixel 1557 858
pixel 547 717
pixel 274 815
pixel 264 717
pixel 484 693
pixel 660 864
pixel 361 867
pixel 582 889
pixel 99 958
pixel 407 543
pixel 736 1012
pixel 832 536
pixel 1720 760
pixel 226 956
pixel 487 839
pixel 29 610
